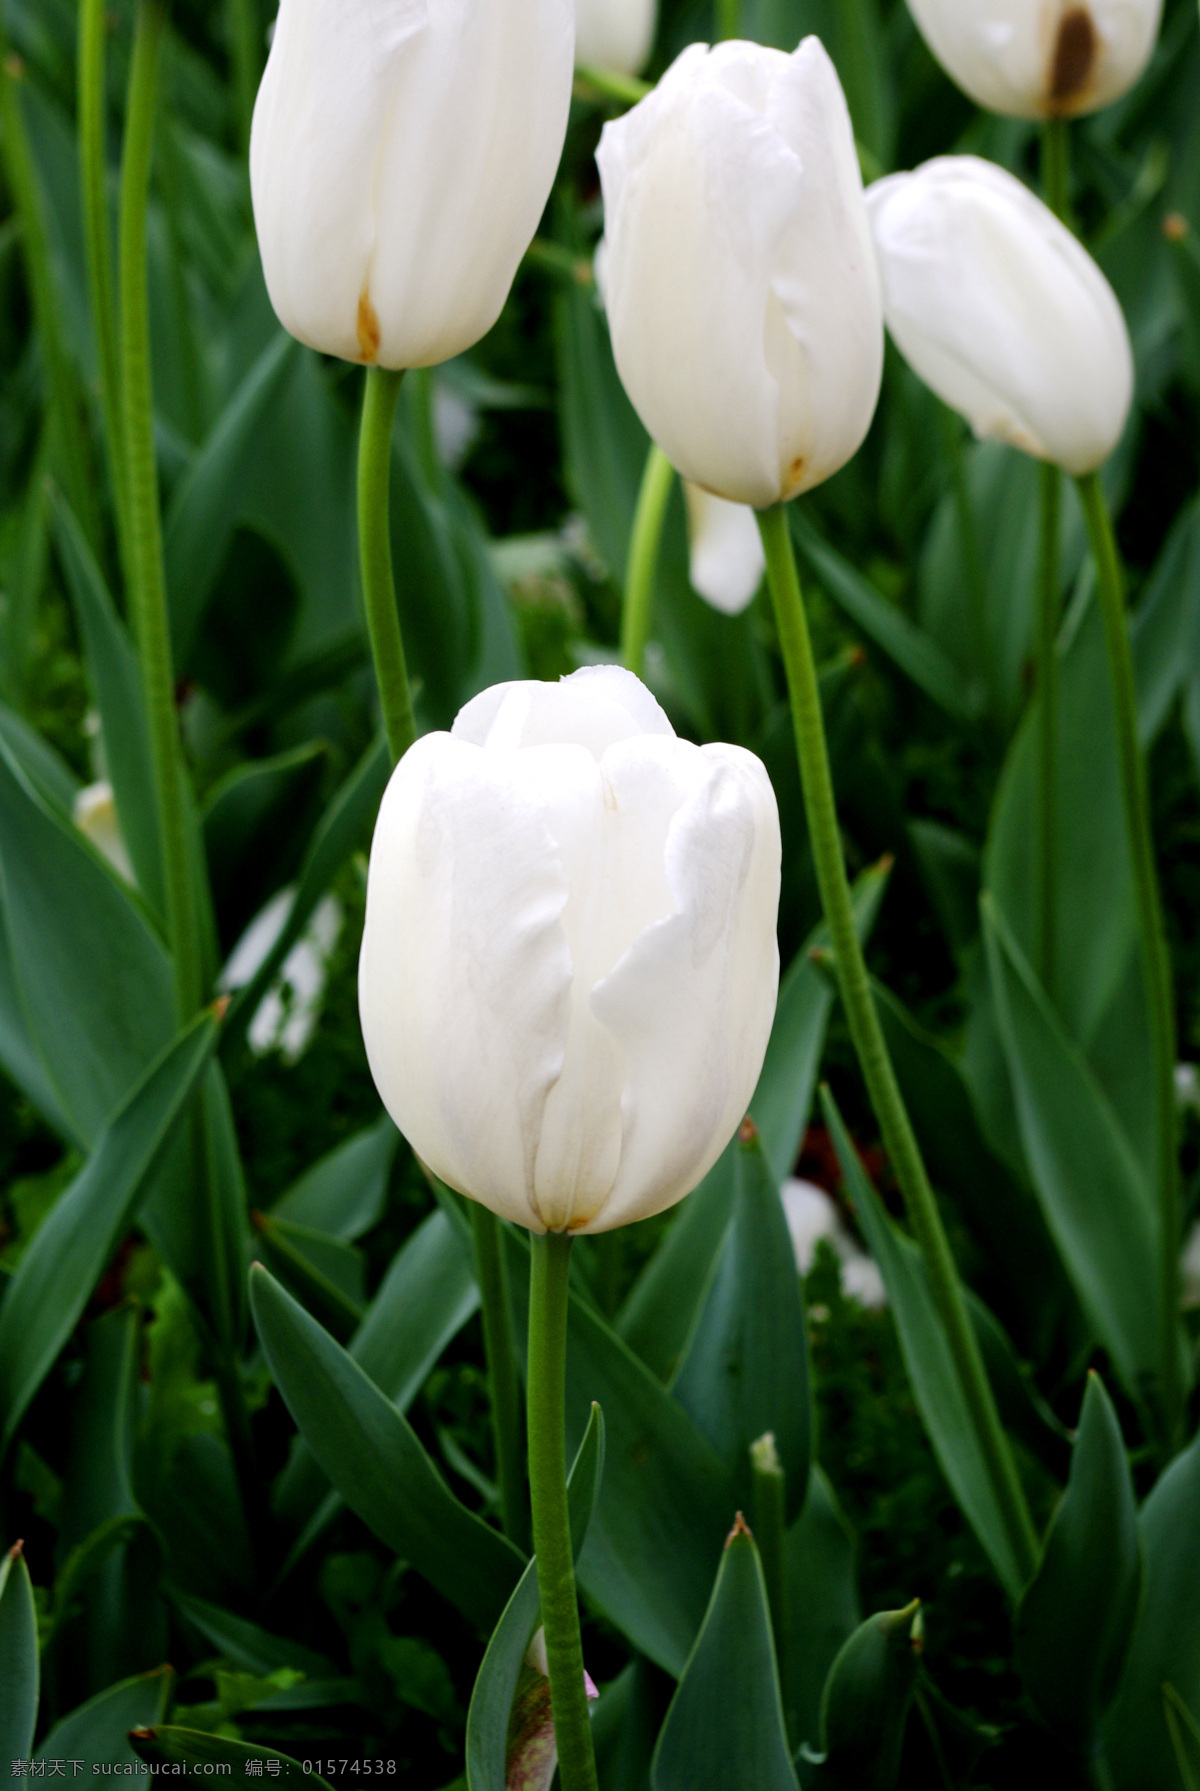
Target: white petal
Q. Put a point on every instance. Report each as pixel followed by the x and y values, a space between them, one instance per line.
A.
pixel 615 34
pixel 726 560
pixel 593 707
pixel 1041 58
pixel 1002 311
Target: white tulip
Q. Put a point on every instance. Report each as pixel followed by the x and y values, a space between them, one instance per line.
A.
pixel 401 156
pixel 1040 58
pixel 725 551
pixel 569 964
pixel 742 295
pixel 1001 311
pixel 94 812
pixel 617 34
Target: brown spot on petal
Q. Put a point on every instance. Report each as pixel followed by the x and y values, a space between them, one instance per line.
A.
pixel 793 478
pixel 369 333
pixel 1074 57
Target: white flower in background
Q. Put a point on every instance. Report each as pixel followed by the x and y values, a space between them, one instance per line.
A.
pixel 742 294
pixel 998 308
pixel 1190 1268
pixel 1040 58
pixel 287 1015
pixel 725 551
pixel 1187 1088
pixel 616 34
pixel 569 963
pixel 811 1216
pixel 401 156
pixel 95 814
pixel 531 1757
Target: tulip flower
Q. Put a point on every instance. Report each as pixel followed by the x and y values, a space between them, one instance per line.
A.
pixel 1001 311
pixel 616 34
pixel 400 158
pixel 742 294
pixel 1040 58
pixel 569 964
pixel 725 559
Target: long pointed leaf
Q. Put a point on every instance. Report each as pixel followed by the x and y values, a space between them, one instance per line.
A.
pixel 375 1460
pixel 19 1676
pixel 72 1246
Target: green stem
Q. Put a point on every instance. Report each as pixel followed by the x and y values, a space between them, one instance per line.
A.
pixel 609 83
pixel 548 1291
pixel 375 554
pixel 245 40
pixel 147 582
pixel 898 1137
pixel 1056 167
pixel 492 1270
pixel 1047 734
pixel 968 540
pixel 643 558
pixel 727 19
pixel 63 398
pixel 93 159
pixel 1156 965
pixel 769 1529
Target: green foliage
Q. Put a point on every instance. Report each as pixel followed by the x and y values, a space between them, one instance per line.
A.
pixel 305 1561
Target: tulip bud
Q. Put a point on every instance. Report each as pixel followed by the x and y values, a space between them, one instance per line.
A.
pixel 1001 311
pixel 742 295
pixel 725 559
pixel 569 964
pixel 617 34
pixel 1040 58
pixel 401 155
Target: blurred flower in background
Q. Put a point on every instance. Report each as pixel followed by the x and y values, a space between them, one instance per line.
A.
pixel 616 34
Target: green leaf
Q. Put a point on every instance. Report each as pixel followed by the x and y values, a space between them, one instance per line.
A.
pixel 724 1730
pixel 19 1679
pixel 46 770
pixel 72 1246
pixel 867 1698
pixel 325 1275
pixel 375 1460
pixel 932 1372
pixel 207 505
pixel 625 1728
pixel 1165 628
pixel 1075 1620
pixel 1166 1637
pixel 116 684
pixel 345 1192
pixel 908 646
pixel 604 444
pixel 496 1684
pixel 245 1644
pixel 659 1313
pixel 1020 1274
pixel 98 1730
pixel 79 944
pixel 173 1746
pixel 1082 1167
pixel 424 1300
pixel 666 1499
pixel 1185 1737
pixel 253 830
pixel 345 824
pixel 746 1370
pixel 821 1602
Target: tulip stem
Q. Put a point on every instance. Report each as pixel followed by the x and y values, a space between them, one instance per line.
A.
pixel 94 186
pixel 727 19
pixel 148 594
pixel 1047 733
pixel 898 1137
pixel 642 565
pixel 1056 167
pixel 375 553
pixel 548 1300
pixel 1156 963
pixel 491 1268
pixel 245 37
